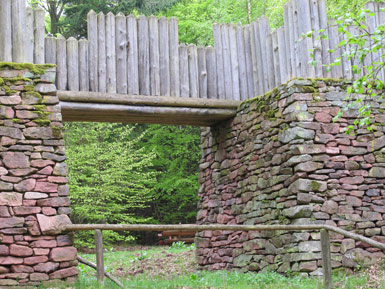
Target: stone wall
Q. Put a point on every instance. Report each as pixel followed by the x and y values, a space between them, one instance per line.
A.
pixel 282 160
pixel 34 200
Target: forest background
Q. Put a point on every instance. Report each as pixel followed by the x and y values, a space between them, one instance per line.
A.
pixel 127 173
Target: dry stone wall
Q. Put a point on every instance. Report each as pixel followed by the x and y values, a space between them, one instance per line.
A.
pixel 34 201
pixel 282 160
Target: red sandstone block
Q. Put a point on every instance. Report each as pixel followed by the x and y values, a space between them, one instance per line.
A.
pixel 3 270
pixel 55 202
pixel 68 272
pixel 7 240
pixel 35 260
pixel 58 180
pixel 21 211
pixel 29 203
pixel 46 187
pixel 46 267
pixel 20 251
pixel 36 238
pixel 40 251
pixel 63 254
pixel 16 275
pixel 64 240
pixel 10 260
pixel 4 250
pixel 21 269
pixel 46 171
pixel 41 163
pixel 39 277
pixel 44 244
pixel 48 211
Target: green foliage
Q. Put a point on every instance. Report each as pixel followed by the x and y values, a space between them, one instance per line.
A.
pixel 196 17
pixel 177 150
pixel 75 22
pixel 358 44
pixel 109 174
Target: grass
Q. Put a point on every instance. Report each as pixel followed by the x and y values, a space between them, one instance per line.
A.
pixel 165 267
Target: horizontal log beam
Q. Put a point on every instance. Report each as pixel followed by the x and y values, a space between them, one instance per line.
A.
pixel 189 227
pixel 168 101
pixel 99 112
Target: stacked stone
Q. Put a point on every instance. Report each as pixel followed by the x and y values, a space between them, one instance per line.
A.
pixel 282 160
pixel 34 202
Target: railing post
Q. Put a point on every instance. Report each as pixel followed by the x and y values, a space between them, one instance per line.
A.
pixel 99 257
pixel 326 259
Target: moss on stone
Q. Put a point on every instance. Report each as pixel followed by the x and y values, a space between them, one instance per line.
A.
pixel 19 78
pixel 56 131
pixel 42 119
pixel 8 90
pixel 36 69
pixel 315 186
pixel 16 120
pixel 29 87
pixel 1 81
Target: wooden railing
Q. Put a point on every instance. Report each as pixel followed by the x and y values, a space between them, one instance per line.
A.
pixel 324 229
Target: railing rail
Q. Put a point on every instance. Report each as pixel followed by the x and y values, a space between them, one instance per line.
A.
pixel 324 230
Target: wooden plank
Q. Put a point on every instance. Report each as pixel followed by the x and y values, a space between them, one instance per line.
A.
pixel 50 49
pixel 73 64
pixel 211 64
pixel 6 30
pixel 333 44
pixel 254 57
pixel 121 53
pixel 92 32
pixel 184 71
pixel 144 56
pixel 243 85
pixel 264 31
pixel 297 43
pixel 110 53
pixel 143 100
pixel 164 57
pixel 219 60
pixel 261 89
pixel 315 24
pixel 276 60
pixel 132 56
pixel 381 21
pixel 305 25
pixel 154 55
pixel 372 24
pixel 193 70
pixel 368 60
pixel 99 257
pixel 326 259
pixel 270 61
pixel 84 81
pixel 323 20
pixel 102 62
pixel 234 62
pixel 18 30
pixel 228 78
pixel 288 42
pixel 174 57
pixel 283 65
pixel 29 35
pixel 61 63
pixel 249 62
pixel 39 31
pixel 292 39
pixel 202 72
